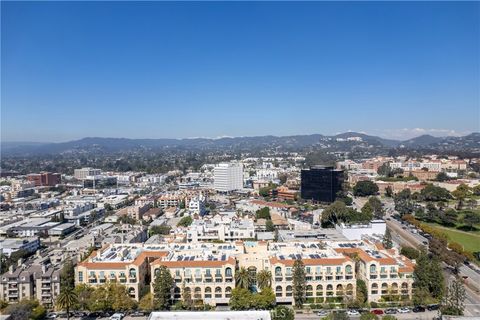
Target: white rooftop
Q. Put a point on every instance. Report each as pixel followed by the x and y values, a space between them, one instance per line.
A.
pixel 216 315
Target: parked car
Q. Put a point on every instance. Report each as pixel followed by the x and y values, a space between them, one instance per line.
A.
pixel 432 307
pixel 117 316
pixel 391 311
pixel 377 312
pixel 322 313
pixel 418 309
pixel 403 310
pixel 51 316
pixel 353 312
pixel 137 314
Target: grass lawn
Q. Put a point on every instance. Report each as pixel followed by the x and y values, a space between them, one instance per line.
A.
pixel 470 240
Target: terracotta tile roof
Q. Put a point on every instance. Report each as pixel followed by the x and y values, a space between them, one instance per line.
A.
pixel 311 262
pixel 104 265
pixel 194 263
pixel 270 204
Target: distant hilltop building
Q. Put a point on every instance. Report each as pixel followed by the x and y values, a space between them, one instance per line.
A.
pixel 321 183
pixel 228 177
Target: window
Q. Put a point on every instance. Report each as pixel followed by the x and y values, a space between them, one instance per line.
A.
pixel 307 269
pixel 339 269
pixel 80 276
pixel 207 272
pixel 329 270
pixel 228 272
pixel 373 268
pixel 309 291
pixel 278 271
pixel 289 271
pixel 289 291
pixel 278 291
pixel 348 269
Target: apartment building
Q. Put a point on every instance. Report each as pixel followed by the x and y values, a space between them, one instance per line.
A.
pixel 208 275
pixel 127 264
pixel 18 283
pixel 207 270
pixel 222 227
pixel 228 177
pixel 47 285
pixel 385 272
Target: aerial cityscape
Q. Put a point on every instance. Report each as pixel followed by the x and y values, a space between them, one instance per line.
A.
pixel 240 160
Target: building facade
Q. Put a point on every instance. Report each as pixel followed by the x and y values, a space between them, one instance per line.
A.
pixel 228 177
pixel 321 183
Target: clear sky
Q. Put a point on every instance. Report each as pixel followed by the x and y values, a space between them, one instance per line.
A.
pixel 210 69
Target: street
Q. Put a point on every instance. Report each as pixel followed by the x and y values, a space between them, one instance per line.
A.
pixel 472 280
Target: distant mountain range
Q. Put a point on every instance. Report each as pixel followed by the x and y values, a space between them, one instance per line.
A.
pixel 340 142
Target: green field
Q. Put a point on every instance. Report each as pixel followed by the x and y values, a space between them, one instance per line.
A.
pixel 470 240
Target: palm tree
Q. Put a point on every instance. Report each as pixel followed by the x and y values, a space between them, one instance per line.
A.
pixel 264 279
pixel 66 300
pixel 243 278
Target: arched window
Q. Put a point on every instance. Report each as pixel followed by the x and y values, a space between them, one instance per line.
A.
pixel 319 290
pixel 384 288
pixel 208 290
pixel 218 292
pixel 329 290
pixel 228 292
pixel 157 271
pixel 373 268
pixel 278 291
pixel 132 272
pixel 309 291
pixel 197 293
pixel 374 288
pixel 228 272
pixel 278 271
pixel 289 291
pixel 348 269
pixel 404 288
pixel 339 290
pixel 131 292
pixel 394 288
pixel 349 289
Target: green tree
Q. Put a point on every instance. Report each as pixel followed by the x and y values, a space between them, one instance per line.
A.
pixel 185 221
pixel 67 299
pixel 241 299
pixel 471 218
pixel 428 275
pixel 362 291
pixel 377 207
pixel 442 176
pixel 67 275
pixel 162 288
pixel 389 191
pixel 265 300
pixel 263 213
pixel 269 226
pixel 264 279
pixel 387 240
pixel 365 188
pixel 84 295
pixel 146 303
pixel 410 252
pixel 454 301
pixel 282 313
pixel 299 282
pixel 434 193
pixel 162 229
pixel 243 278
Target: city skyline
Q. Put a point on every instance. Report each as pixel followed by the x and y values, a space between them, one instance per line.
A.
pixel 183 70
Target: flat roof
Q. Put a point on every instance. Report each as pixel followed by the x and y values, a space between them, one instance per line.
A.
pixel 211 315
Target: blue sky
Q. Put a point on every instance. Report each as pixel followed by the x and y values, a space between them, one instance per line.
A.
pixel 210 69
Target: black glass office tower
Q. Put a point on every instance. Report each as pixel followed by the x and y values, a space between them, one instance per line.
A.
pixel 321 183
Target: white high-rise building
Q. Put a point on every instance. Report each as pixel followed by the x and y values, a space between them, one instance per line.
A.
pixel 82 174
pixel 228 177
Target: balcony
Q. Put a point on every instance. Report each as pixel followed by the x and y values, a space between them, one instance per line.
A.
pixel 278 279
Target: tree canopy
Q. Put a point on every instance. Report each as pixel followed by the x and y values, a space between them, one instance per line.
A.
pixel 365 188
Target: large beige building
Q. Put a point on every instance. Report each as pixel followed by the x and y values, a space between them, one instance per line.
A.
pixel 207 270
